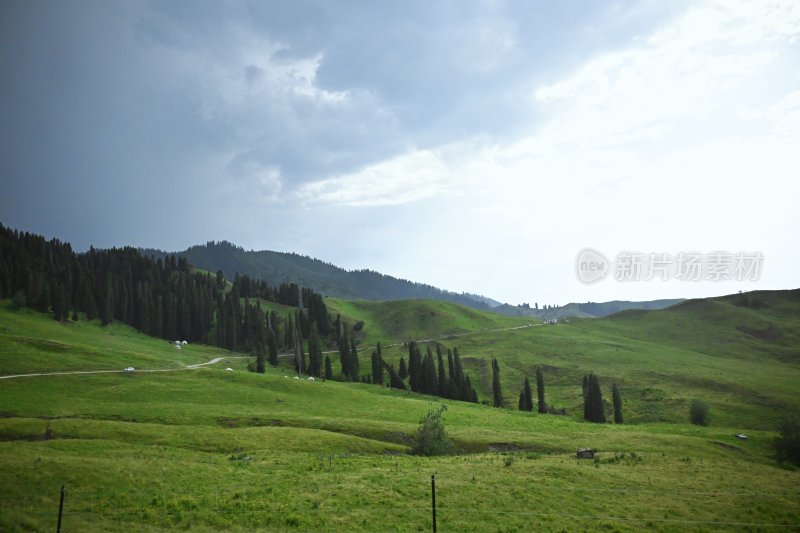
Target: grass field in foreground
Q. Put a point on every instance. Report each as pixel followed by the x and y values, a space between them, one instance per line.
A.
pixel 210 450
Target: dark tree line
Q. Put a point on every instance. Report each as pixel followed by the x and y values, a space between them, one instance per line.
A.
pixel 162 298
pixel 526 395
pixel 593 407
pixel 497 391
pixel 426 374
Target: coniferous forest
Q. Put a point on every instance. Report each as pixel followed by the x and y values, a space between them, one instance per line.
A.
pixel 166 298
pixel 162 298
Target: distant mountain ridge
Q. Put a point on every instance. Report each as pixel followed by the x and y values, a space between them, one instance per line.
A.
pixel 584 310
pixel 327 279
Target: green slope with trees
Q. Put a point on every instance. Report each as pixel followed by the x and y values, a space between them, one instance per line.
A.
pixel 208 449
pixel 279 267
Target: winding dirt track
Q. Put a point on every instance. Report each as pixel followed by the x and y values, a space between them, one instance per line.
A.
pixel 71 372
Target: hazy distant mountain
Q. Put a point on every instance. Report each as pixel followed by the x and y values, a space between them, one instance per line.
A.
pixel 585 310
pixel 322 277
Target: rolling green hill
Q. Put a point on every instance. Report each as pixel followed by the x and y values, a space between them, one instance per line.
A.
pixel 405 320
pixel 741 357
pixel 327 279
pixel 206 449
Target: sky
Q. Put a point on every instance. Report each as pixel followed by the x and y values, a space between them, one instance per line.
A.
pixel 478 146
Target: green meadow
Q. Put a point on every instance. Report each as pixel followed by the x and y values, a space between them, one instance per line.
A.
pixel 207 449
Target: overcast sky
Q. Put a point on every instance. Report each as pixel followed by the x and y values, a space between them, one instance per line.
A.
pixel 476 146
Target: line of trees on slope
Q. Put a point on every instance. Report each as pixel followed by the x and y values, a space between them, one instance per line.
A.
pixel 526 395
pixel 165 298
pixel 425 374
pixel 593 407
pixel 162 298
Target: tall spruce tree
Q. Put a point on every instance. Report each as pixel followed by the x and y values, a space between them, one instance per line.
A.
pixel 540 390
pixel 107 312
pixel 526 397
pixel 472 394
pixel 394 378
pixel 617 401
pixel 593 410
pixel 414 367
pixel 430 381
pixel 260 359
pixel 272 348
pixel 299 355
pixel 328 367
pixel 314 352
pixel 452 389
pixel 497 391
pixel 344 353
pixel 442 375
pixel 403 372
pixel 377 368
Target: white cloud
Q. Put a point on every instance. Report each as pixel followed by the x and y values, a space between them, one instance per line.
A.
pixel 414 176
pixel 685 140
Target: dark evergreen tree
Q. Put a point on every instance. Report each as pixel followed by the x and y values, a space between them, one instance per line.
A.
pixel 442 375
pixel 299 355
pixel 472 394
pixel 593 409
pixel 540 390
pixel 617 400
pixel 394 379
pixel 403 372
pixel 377 368
pixel 314 352
pixel 59 303
pixel 497 391
pixel 328 367
pixel 429 379
pixel 107 313
pixel 344 354
pixel 526 397
pixel 261 359
pixel 415 379
pixel 272 348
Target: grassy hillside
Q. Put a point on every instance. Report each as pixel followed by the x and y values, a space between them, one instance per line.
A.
pixel 404 320
pixel 207 449
pixel 32 342
pixel 743 359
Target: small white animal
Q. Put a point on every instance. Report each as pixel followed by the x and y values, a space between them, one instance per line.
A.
pixel 311 378
pixel 296 377
pixel 229 369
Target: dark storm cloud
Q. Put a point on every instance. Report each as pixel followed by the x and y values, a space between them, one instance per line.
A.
pixel 120 122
